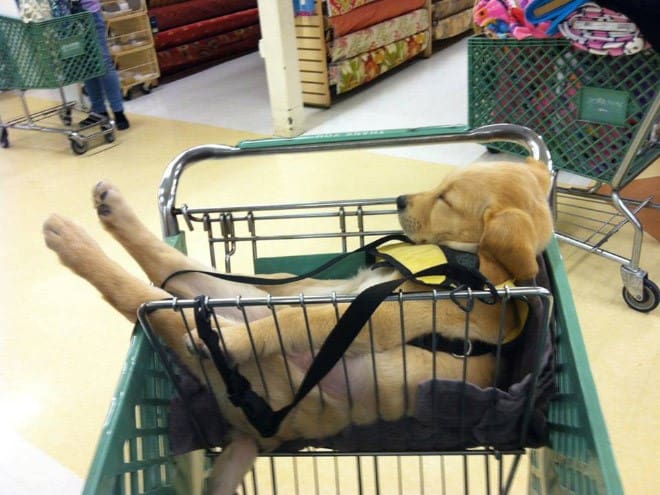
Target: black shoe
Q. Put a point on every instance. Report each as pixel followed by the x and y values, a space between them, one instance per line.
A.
pixel 94 118
pixel 121 122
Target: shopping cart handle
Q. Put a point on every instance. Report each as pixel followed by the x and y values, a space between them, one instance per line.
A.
pixel 335 137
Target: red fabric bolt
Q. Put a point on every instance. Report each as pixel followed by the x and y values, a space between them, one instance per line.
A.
pixel 206 29
pixel 180 14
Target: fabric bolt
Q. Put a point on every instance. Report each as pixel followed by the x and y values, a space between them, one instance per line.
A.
pixel 553 11
pixel 229 44
pixel 452 25
pixel 445 8
pixel 504 20
pixel 371 14
pixel 378 35
pixel 602 31
pixel 206 28
pixel 171 16
pixel 338 7
pixel 351 73
pixel 644 13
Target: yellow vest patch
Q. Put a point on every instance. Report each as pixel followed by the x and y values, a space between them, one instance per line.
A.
pixel 418 257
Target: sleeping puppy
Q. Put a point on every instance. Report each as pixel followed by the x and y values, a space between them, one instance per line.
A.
pixel 497 210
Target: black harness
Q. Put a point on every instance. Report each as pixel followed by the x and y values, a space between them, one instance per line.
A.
pixel 266 421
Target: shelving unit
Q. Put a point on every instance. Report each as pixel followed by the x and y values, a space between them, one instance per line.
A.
pixel 131 44
pixel 312 35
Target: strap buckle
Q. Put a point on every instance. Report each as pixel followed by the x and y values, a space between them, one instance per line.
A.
pixel 466 352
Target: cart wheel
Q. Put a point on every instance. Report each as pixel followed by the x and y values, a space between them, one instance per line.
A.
pixel 650 297
pixel 109 137
pixel 128 95
pixel 65 116
pixel 4 138
pixel 79 148
pixel 146 88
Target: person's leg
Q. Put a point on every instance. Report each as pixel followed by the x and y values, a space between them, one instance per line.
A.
pixel 94 90
pixel 107 85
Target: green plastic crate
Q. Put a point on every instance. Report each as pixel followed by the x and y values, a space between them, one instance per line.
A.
pixel 586 107
pixel 132 454
pixel 49 54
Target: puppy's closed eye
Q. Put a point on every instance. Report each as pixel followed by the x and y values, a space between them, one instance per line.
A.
pixel 443 197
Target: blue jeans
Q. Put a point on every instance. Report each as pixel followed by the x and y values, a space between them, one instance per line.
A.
pixel 106 86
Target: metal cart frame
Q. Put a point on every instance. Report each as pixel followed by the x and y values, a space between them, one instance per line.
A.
pixel 598 115
pixel 639 291
pixel 133 457
pixel 51 55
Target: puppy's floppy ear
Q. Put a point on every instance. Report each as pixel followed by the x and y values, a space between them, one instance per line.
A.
pixel 509 238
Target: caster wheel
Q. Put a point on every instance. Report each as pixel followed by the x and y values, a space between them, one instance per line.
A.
pixel 4 138
pixel 109 137
pixel 65 116
pixel 650 297
pixel 79 148
pixel 128 96
pixel 146 89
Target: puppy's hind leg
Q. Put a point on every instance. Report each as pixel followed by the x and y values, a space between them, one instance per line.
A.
pixel 157 258
pixel 232 465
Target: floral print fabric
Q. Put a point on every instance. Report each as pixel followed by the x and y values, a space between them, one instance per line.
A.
pixel 337 7
pixel 379 35
pixel 355 71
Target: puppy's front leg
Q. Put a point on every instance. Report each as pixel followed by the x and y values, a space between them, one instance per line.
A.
pixel 389 326
pixel 293 328
pixel 155 257
pixel 79 252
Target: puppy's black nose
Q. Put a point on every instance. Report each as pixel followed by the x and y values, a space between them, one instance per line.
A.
pixel 401 202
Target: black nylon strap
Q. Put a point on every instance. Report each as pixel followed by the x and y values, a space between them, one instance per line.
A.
pixel 249 279
pixel 239 390
pixel 434 342
pixel 256 409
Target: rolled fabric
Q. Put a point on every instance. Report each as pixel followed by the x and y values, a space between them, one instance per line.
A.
pixel 554 11
pixel 602 31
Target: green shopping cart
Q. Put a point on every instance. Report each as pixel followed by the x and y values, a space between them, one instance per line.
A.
pixel 51 54
pixel 134 454
pixel 599 116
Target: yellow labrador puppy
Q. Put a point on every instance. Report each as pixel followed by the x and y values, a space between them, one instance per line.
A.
pixel 497 210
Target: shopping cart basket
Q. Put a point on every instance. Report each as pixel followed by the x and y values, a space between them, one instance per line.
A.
pixel 51 54
pixel 599 116
pixel 134 453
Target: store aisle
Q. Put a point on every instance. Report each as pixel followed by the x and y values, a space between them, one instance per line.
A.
pixel 62 348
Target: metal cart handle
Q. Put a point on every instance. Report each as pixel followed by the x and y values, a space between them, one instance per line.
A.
pixel 516 134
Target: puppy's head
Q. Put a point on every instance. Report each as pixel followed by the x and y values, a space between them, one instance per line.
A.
pixel 499 210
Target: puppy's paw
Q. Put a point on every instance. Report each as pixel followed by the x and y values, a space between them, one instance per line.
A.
pixel 110 205
pixel 196 347
pixel 75 248
pixel 237 345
